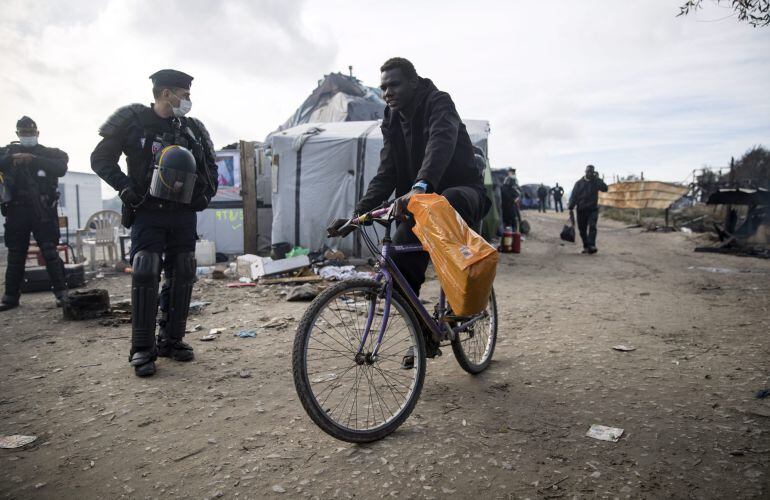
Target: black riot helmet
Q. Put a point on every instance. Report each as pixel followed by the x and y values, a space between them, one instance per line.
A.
pixel 174 176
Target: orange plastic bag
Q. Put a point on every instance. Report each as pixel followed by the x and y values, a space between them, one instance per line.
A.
pixel 465 263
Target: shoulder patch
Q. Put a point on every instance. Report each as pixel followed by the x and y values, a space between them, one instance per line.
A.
pixel 120 118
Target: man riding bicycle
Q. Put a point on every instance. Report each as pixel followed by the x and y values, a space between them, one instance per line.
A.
pixel 426 149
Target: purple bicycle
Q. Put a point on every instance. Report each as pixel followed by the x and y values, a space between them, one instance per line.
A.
pixel 350 347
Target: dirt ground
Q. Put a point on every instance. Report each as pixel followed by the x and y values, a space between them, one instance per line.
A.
pixel 685 396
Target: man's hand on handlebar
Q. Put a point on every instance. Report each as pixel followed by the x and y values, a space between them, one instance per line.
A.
pixel 336 228
pixel 400 210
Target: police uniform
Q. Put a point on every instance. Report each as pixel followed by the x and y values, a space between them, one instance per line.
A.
pixel 163 231
pixel 28 193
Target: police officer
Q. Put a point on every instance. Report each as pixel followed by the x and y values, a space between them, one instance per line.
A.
pixel 585 196
pixel 172 174
pixel 558 194
pixel 29 174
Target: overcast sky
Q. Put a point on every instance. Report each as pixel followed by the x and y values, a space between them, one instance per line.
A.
pixel 627 86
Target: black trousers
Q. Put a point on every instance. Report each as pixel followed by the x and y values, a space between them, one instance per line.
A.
pixel 167 233
pixel 557 205
pixel 586 221
pixel 541 205
pixel 20 221
pixel 467 201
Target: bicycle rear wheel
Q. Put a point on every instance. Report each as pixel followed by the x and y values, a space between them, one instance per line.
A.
pixel 474 347
pixel 357 398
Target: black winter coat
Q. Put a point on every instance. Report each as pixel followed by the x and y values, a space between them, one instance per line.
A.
pixel 441 152
pixel 38 178
pixel 585 194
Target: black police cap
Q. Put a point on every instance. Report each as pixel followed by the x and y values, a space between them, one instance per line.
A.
pixel 25 122
pixel 171 78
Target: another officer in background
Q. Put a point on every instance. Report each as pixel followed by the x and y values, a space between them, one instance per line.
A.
pixel 172 174
pixel 29 177
pixel 558 194
pixel 542 197
pixel 585 196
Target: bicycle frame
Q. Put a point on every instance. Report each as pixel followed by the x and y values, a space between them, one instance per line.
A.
pixel 390 275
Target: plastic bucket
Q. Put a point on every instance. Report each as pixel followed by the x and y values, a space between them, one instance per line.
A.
pixel 205 253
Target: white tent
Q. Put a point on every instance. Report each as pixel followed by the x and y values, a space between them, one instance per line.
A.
pixel 320 170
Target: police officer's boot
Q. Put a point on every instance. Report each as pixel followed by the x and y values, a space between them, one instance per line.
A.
pixel 180 278
pixel 14 274
pixel 144 309
pixel 55 268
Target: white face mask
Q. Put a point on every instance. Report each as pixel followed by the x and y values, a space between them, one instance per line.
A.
pixel 28 141
pixel 185 105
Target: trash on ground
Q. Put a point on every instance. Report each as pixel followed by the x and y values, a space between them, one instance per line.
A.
pixel 604 433
pixel 245 374
pixel 275 323
pixel 216 331
pixel 204 270
pixel 686 230
pixel 302 293
pixel 340 273
pixel 334 255
pixel 244 334
pixel 762 394
pixel 197 306
pixel 243 265
pixel 314 278
pixel 266 266
pixel 16 441
pixel 717 270
pixel 89 304
pixel 624 348
pixel 209 337
pixel 297 251
pixel 244 279
pixel 241 285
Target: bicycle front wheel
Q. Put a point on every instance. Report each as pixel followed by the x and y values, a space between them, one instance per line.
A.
pixel 474 347
pixel 352 396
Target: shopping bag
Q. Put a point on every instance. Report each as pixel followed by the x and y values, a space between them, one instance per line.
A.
pixel 465 263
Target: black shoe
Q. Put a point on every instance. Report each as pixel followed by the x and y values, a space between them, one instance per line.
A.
pixel 431 350
pixel 143 363
pixel 4 306
pixel 61 297
pixel 592 250
pixel 175 349
pixel 585 250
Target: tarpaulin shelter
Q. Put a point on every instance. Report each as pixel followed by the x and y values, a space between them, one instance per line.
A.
pixel 338 98
pixel 642 194
pixel 319 170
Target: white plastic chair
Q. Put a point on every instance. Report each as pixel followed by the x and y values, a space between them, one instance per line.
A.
pixel 101 231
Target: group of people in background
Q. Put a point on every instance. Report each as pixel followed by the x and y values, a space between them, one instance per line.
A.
pixel 584 199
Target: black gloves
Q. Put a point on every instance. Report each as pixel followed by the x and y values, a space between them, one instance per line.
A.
pixel 130 197
pixel 200 203
pixel 334 229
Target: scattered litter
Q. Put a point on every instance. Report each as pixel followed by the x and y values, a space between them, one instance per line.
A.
pixel 266 266
pixel 216 331
pixel 302 293
pixel 243 265
pixel 624 348
pixel 762 394
pixel 241 285
pixel 245 334
pixel 604 433
pixel 197 306
pixel 279 489
pixel 204 271
pixel 244 279
pixel 294 280
pixel 275 323
pixel 340 273
pixel 297 251
pixel 334 255
pixel 16 441
pixel 245 374
pixel 209 337
pixel 686 230
pixel 717 270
